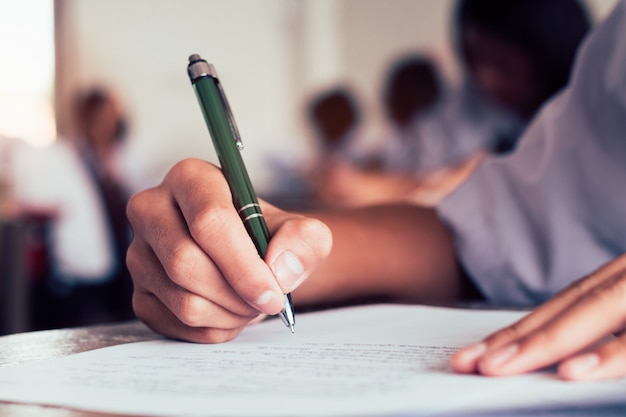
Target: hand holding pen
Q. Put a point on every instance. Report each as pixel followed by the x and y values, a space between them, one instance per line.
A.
pixel 196 272
pixel 228 144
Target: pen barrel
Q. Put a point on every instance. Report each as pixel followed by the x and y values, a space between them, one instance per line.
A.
pixel 225 143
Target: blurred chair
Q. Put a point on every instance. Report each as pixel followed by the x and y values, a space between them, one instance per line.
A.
pixel 24 269
pixel 14 299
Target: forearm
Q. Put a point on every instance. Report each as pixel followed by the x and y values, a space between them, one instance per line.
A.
pixel 402 252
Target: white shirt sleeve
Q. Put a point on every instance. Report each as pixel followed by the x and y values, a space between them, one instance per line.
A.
pixel 54 179
pixel 527 224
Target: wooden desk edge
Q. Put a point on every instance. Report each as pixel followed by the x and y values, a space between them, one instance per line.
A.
pixel 22 348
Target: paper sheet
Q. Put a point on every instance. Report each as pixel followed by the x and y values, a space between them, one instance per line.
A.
pixel 362 361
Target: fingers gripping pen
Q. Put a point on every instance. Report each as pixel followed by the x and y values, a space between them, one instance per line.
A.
pixel 227 143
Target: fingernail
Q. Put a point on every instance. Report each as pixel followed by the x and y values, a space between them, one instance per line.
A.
pixel 501 356
pixel 288 271
pixel 269 302
pixel 473 352
pixel 579 366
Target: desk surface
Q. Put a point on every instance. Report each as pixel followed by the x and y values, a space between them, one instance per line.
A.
pixel 27 347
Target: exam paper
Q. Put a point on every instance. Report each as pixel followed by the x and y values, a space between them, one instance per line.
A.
pixel 360 361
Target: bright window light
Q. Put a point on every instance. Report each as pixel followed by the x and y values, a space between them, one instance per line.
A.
pixel 27 70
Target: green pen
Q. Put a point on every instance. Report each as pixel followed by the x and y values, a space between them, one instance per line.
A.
pixel 228 146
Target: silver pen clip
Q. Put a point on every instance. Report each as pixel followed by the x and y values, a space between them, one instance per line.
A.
pixel 229 113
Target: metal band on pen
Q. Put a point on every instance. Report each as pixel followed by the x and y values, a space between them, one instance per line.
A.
pixel 254 206
pixel 247 206
pixel 252 216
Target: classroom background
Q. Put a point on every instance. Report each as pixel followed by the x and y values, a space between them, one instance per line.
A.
pixel 273 57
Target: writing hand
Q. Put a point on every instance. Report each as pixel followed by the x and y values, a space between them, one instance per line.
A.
pixel 581 330
pixel 197 275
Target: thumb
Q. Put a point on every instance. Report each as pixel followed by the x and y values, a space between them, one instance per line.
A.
pixel 297 247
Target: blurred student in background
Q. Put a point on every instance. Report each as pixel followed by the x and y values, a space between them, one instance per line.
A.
pixel 101 146
pixel 335 119
pixel 333 116
pixel 84 182
pixel 515 55
pixel 412 91
pixel 518 53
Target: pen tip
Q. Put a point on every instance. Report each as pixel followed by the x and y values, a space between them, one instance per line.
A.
pixel 292 329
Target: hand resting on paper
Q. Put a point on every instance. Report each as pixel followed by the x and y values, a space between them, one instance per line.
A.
pixel 196 272
pixel 581 330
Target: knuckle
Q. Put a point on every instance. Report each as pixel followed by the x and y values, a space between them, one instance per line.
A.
pixel 140 306
pixel 612 292
pixel 187 170
pixel 322 242
pixel 619 348
pixel 547 339
pixel 142 211
pixel 191 310
pixel 619 291
pixel 208 224
pixel 183 169
pixel 314 227
pixel 135 208
pixel 504 335
pixel 181 262
pixel 135 260
pixel 578 290
pixel 132 258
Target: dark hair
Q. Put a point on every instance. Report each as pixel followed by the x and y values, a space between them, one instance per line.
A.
pixel 89 103
pixel 412 85
pixel 550 31
pixel 333 113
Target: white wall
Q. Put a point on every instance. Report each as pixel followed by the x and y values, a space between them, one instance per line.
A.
pixel 270 54
pixel 140 48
